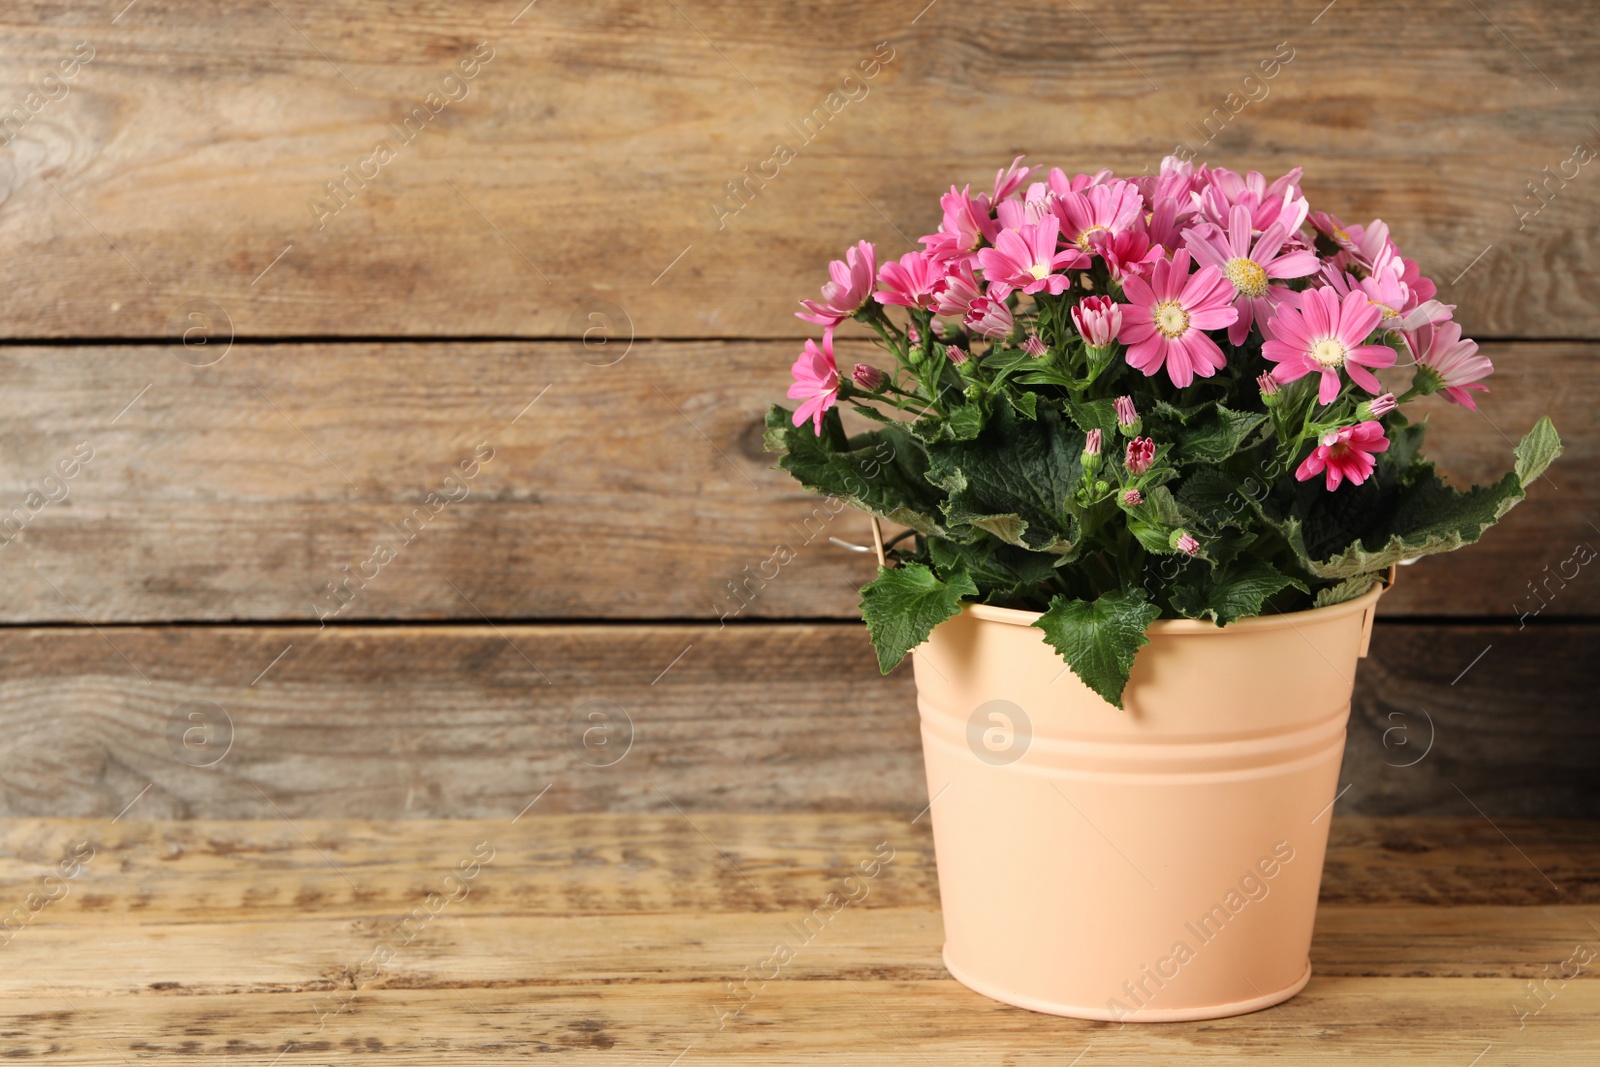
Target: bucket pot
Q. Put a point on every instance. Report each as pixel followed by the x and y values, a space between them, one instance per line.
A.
pixel 1157 863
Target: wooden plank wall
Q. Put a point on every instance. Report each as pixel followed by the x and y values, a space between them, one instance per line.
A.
pixel 545 281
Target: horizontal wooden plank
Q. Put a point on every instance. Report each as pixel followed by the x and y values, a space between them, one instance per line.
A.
pixel 243 489
pixel 612 938
pixel 1440 1022
pixel 467 721
pixel 605 867
pixel 586 165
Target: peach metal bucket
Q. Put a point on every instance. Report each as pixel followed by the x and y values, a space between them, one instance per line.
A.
pixel 1160 863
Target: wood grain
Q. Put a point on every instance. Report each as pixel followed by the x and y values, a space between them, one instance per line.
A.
pixel 579 171
pixel 608 939
pixel 241 490
pixel 469 721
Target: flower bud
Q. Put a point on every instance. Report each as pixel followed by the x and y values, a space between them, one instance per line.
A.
pixel 868 377
pixel 1091 454
pixel 1184 543
pixel 1269 388
pixel 912 336
pixel 1098 320
pixel 1377 407
pixel 1140 454
pixel 1128 421
pixel 1133 498
pixel 956 354
pixel 1035 347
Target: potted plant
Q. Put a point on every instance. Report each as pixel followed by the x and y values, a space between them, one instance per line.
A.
pixel 1152 488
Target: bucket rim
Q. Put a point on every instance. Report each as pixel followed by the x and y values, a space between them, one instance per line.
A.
pixel 1201 627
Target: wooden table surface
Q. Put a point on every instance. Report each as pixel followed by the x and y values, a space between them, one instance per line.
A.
pixel 615 940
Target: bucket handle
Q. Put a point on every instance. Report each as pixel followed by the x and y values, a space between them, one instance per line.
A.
pixel 1371 613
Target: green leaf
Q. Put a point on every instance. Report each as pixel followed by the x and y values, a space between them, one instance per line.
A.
pixel 1014 480
pixel 1428 516
pixel 1027 404
pixel 1095 415
pixel 1218 436
pixel 903 604
pixel 1537 451
pixel 1233 591
pixel 1002 572
pixel 1098 639
pixel 1348 589
pixel 883 472
pixel 1154 520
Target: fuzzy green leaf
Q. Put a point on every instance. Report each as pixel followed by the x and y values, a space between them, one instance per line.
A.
pixel 1428 516
pixel 903 604
pixel 1014 480
pixel 1002 572
pixel 1348 589
pixel 1218 436
pixel 1233 591
pixel 1099 638
pixel 882 472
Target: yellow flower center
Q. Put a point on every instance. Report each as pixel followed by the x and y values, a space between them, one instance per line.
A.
pixel 1039 270
pixel 1171 319
pixel 1387 311
pixel 1083 238
pixel 1247 276
pixel 1342 236
pixel 1329 352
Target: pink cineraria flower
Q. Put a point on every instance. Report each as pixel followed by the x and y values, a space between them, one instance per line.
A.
pixel 1267 384
pixel 1027 259
pixel 1141 452
pixel 1100 211
pixel 954 293
pixel 1184 542
pixel 1127 414
pixel 1250 268
pixel 1098 320
pixel 1323 336
pixel 1035 346
pixel 1280 201
pixel 909 283
pixel 1452 360
pixel 1130 252
pixel 956 355
pixel 1092 442
pixel 966 224
pixel 1165 319
pixel 1133 498
pixel 990 318
pixel 1061 185
pixel 1385 289
pixel 1344 454
pixel 1010 179
pixel 816 381
pixel 1330 226
pixel 849 289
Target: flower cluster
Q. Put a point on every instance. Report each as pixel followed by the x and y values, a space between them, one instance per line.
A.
pixel 1228 332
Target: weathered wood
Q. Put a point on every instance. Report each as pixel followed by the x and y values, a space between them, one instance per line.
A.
pixel 610 939
pixel 242 489
pixel 467 721
pixel 578 171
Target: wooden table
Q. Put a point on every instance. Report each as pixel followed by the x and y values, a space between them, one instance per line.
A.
pixel 612 940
